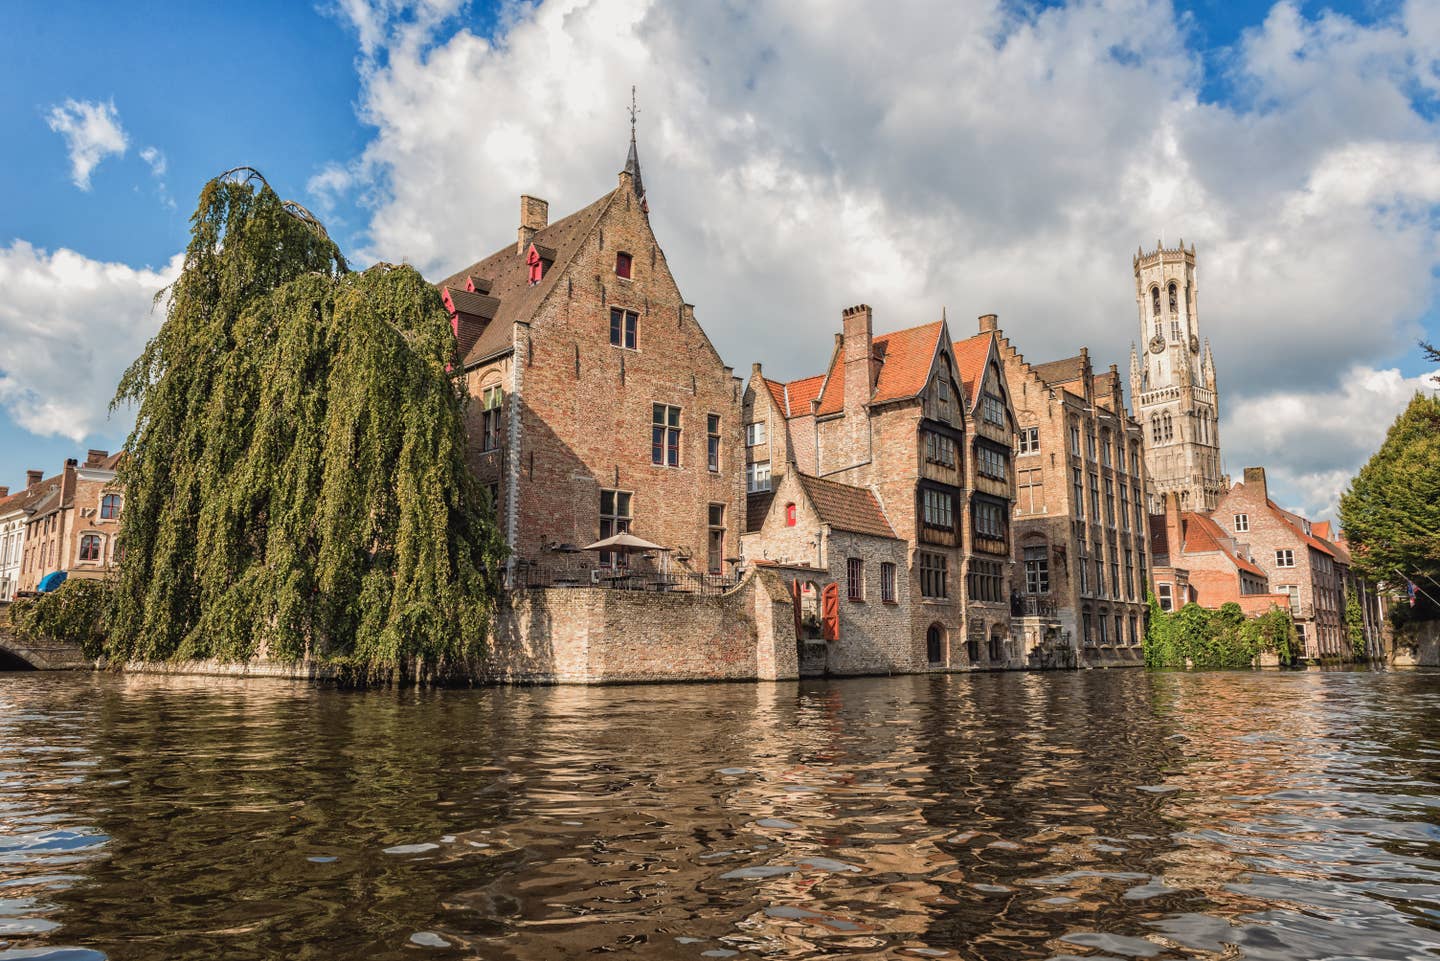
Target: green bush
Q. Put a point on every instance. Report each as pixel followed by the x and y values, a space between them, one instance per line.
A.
pixel 77 612
pixel 1197 637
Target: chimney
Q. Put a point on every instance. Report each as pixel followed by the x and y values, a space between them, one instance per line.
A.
pixel 94 458
pixel 1174 529
pixel 33 477
pixel 858 357
pixel 4 492
pixel 989 323
pixel 755 369
pixel 534 217
pixel 1255 480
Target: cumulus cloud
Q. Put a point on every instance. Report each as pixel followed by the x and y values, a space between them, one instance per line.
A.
pixel 92 132
pixel 1313 441
pixel 69 326
pixel 984 156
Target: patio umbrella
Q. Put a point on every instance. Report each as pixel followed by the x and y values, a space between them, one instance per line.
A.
pixel 627 543
pixel 51 581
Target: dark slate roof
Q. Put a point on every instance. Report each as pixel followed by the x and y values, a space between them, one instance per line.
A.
pixel 1060 371
pixel 481 305
pixel 846 507
pixel 757 507
pixel 509 277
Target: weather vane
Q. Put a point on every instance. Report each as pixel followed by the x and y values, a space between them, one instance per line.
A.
pixel 634 111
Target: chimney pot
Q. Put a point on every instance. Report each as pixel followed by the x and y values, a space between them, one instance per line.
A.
pixel 71 463
pixel 755 369
pixel 95 457
pixel 989 323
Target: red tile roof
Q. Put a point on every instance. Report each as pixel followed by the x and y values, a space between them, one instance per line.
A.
pixel 1321 530
pixel 970 357
pixel 906 357
pixel 1298 528
pixel 846 507
pixel 793 399
pixel 1203 534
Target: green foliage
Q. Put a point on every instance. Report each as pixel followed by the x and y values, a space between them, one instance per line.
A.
pixel 296 483
pixel 1196 637
pixel 1391 513
pixel 75 612
pixel 1355 626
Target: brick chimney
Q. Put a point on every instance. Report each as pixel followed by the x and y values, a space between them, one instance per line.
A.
pixel 33 477
pixel 4 492
pixel 859 357
pixel 1255 480
pixel 534 217
pixel 94 458
pixel 1174 528
pixel 989 323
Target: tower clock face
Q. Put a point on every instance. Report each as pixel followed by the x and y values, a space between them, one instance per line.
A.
pixel 1157 344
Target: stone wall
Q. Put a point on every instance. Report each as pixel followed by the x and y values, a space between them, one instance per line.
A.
pixel 599 636
pixel 1417 644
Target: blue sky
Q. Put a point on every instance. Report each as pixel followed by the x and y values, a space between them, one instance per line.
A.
pixel 411 127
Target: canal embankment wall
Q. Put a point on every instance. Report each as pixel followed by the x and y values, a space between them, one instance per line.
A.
pixel 1417 644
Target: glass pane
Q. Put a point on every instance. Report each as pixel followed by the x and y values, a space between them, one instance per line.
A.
pixel 623 502
pixel 674 416
pixel 657 414
pixel 607 502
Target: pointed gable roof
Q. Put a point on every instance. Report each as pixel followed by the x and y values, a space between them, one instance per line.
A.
pixel 508 278
pixel 846 507
pixel 971 357
pixel 1057 373
pixel 905 356
pixel 1203 534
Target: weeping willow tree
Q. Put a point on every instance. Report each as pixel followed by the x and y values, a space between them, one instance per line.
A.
pixel 296 482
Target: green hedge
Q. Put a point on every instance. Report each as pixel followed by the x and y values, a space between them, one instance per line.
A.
pixel 1195 636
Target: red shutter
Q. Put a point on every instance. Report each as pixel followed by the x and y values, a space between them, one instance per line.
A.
pixel 830 612
pixel 532 259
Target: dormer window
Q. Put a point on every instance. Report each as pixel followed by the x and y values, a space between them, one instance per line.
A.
pixel 789 515
pixel 622 265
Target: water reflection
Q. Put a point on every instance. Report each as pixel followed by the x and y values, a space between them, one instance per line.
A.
pixel 1114 814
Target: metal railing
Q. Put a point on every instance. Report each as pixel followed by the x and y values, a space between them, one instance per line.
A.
pixel 1031 605
pixel 533 574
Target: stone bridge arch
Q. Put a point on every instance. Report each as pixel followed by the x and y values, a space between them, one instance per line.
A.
pixel 17 653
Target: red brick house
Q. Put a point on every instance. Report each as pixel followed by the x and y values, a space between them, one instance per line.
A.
pixel 895 415
pixel 73 521
pixel 1297 563
pixel 598 403
pixel 1195 560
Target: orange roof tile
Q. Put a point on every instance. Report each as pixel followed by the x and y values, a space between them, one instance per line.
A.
pixel 905 360
pixel 1203 534
pixel 1289 518
pixel 799 394
pixel 970 357
pixel 777 396
pixel 1321 530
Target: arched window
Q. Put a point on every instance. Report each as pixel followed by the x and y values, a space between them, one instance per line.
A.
pixel 1174 300
pixel 935 644
pixel 90 547
pixel 1155 301
pixel 110 507
pixel 789 515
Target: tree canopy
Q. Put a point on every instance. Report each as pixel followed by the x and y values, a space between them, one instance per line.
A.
pixel 1391 512
pixel 296 482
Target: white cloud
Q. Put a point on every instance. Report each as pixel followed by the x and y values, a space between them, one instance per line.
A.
pixel 92 132
pixel 1313 441
pixel 154 158
pixel 69 326
pixel 801 157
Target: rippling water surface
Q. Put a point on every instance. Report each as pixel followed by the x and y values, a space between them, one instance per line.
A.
pixel 1101 814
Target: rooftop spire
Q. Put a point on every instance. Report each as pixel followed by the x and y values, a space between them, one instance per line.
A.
pixel 632 161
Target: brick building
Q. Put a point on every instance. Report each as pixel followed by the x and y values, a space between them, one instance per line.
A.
pixel 828 533
pixel 1173 386
pixel 1296 562
pixel 598 403
pixel 1081 549
pixel 926 426
pixel 72 521
pixel 1196 560
pixel 13 514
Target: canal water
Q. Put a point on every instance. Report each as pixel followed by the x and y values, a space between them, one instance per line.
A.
pixel 1101 814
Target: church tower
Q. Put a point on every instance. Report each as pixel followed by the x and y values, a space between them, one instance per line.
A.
pixel 1172 383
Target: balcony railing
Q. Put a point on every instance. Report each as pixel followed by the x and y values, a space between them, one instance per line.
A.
pixel 1031 605
pixel 533 574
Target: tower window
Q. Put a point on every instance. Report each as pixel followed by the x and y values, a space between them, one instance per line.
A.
pixel 1174 302
pixel 1155 301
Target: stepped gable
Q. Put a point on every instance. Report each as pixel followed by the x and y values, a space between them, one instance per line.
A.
pixel 846 507
pixel 506 276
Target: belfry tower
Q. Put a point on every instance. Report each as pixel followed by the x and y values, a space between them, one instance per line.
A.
pixel 1172 384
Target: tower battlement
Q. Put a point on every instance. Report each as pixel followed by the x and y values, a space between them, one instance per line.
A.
pixel 1162 253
